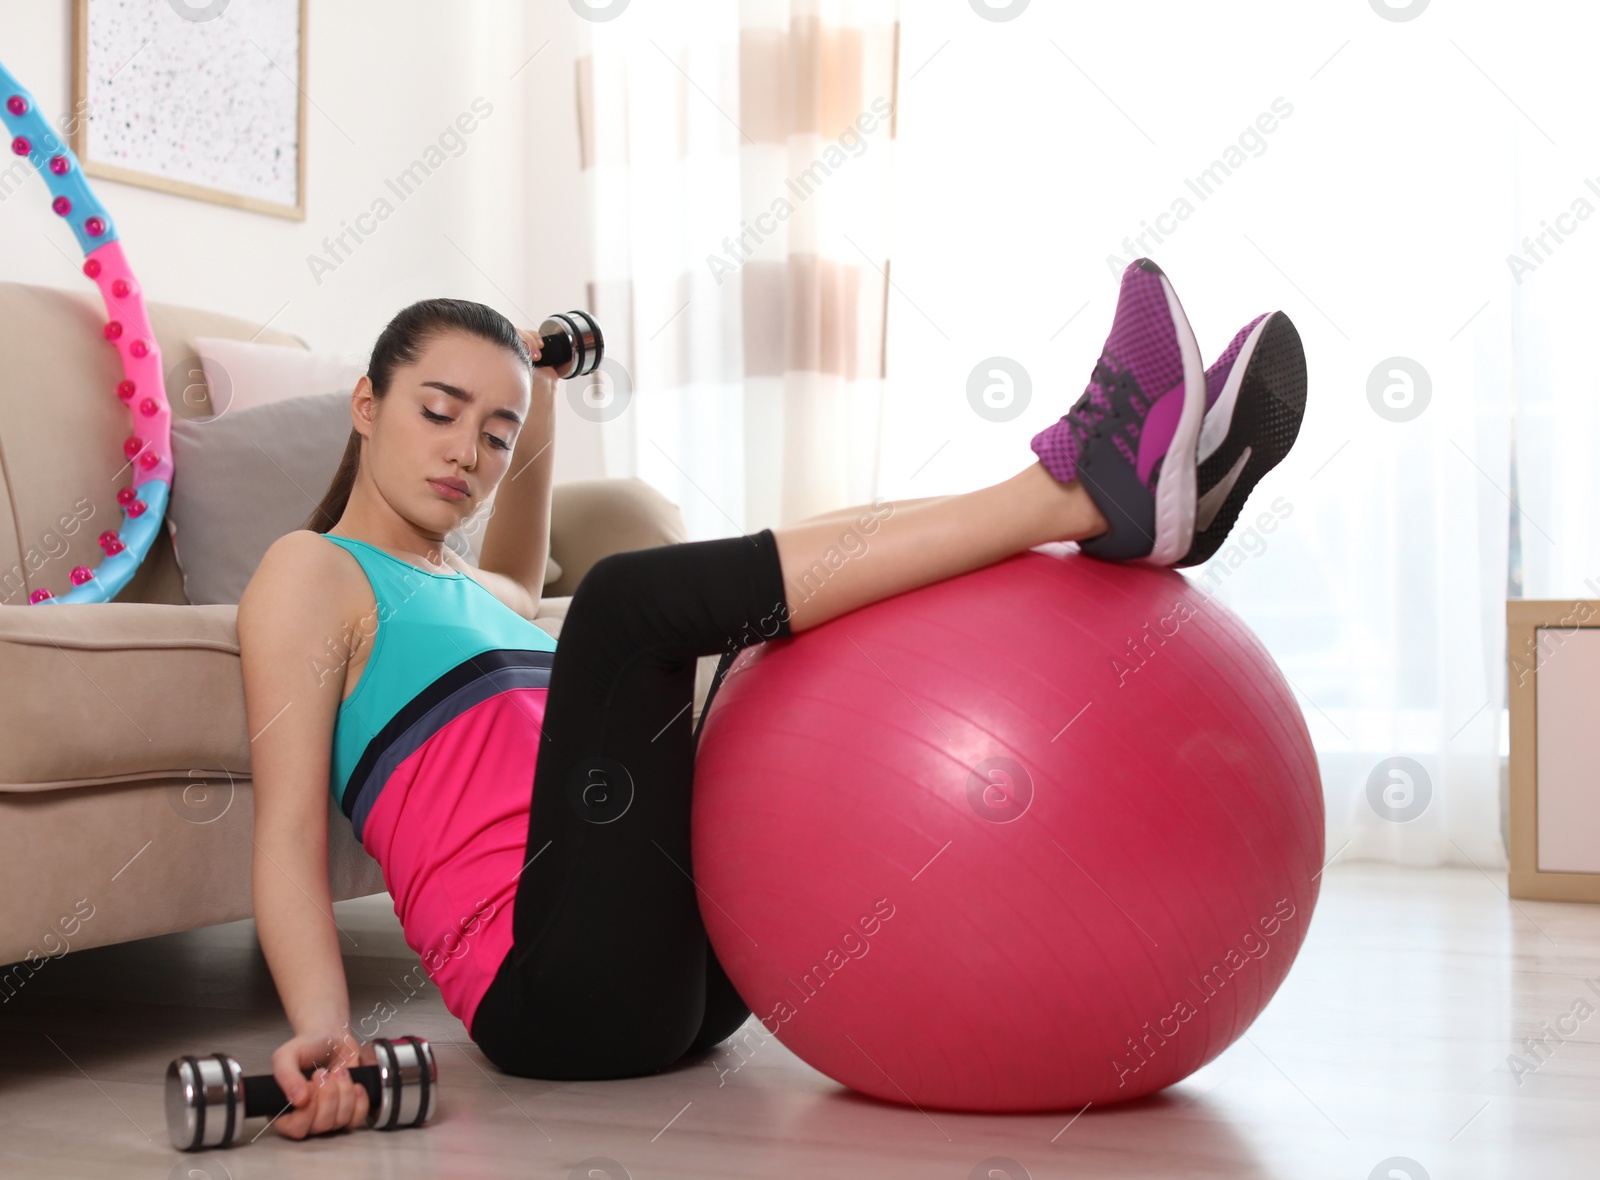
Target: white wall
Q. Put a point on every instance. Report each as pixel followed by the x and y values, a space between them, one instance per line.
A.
pixel 384 80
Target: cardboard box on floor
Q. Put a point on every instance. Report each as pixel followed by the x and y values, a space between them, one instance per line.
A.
pixel 1553 692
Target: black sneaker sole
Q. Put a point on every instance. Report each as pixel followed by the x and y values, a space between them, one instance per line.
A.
pixel 1266 420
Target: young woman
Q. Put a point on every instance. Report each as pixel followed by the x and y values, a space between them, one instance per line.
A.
pixel 528 800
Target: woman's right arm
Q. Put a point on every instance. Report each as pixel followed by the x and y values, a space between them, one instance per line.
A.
pixel 294 629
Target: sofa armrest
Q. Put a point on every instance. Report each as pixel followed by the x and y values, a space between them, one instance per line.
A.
pixel 594 518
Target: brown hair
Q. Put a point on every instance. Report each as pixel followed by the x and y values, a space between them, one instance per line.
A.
pixel 401 343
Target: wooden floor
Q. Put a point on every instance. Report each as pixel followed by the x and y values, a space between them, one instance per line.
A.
pixel 1390 1039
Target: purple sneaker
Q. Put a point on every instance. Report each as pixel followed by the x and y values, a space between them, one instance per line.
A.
pixel 1255 398
pixel 1131 437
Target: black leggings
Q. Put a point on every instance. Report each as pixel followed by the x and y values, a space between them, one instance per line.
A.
pixel 610 973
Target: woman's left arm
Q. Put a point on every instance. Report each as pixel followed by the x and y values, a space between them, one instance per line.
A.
pixel 516 543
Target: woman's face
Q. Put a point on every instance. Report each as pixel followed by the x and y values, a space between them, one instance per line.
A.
pixel 453 416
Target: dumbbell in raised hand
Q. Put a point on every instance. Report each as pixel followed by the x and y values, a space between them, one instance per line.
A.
pixel 209 1098
pixel 571 343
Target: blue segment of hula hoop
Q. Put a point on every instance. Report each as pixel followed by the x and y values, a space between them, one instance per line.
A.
pixel 44 144
pixel 138 532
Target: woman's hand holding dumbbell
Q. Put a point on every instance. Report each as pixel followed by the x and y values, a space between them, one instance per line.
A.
pixel 330 1099
pixel 545 376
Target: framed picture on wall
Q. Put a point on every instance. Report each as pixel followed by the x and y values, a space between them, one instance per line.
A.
pixel 200 98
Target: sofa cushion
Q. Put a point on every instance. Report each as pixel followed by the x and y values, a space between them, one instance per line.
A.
pixel 77 706
pixel 108 692
pixel 241 374
pixel 244 479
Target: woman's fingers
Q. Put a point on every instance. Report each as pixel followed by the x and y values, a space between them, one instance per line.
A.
pixel 292 1125
pixel 341 1102
pixel 324 1102
pixel 336 1102
pixel 352 1100
pixel 286 1069
pixel 344 1101
pixel 296 1124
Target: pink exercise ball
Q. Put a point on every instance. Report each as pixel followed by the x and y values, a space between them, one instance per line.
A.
pixel 1040 835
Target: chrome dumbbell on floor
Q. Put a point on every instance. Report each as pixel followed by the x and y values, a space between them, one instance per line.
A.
pixel 209 1098
pixel 571 343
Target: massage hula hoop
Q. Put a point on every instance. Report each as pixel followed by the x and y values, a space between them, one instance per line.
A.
pixel 142 388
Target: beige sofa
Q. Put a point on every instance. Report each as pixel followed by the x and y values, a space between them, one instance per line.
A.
pixel 125 794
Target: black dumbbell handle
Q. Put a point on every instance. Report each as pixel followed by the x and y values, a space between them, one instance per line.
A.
pixel 263 1097
pixel 555 350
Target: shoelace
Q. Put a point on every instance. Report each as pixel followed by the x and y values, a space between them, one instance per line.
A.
pixel 1093 408
pixel 1113 397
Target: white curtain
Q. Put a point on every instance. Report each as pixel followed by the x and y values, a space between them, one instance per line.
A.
pixel 738 157
pixel 1369 168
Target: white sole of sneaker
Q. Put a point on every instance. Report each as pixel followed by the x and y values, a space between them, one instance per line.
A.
pixel 1175 490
